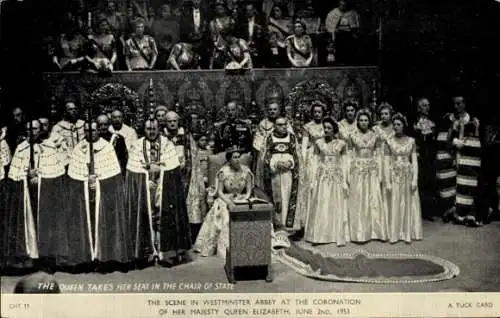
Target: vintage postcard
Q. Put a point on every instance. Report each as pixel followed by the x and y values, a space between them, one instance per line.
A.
pixel 257 158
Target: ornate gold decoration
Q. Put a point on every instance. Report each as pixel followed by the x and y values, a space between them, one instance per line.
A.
pixel 233 88
pixel 300 98
pixel 117 96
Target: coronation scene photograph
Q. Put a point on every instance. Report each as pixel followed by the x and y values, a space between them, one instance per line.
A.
pixel 251 146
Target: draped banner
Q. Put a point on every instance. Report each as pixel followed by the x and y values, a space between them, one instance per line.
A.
pixel 204 92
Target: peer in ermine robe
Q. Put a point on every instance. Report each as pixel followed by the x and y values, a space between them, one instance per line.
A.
pixel 36 223
pixel 70 129
pixel 282 174
pixel 97 225
pixel 186 150
pixel 156 202
pixel 115 139
pixel 5 158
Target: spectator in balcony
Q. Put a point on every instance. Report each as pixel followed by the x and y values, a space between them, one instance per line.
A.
pixel 280 25
pixel 299 46
pixel 140 50
pixel 166 30
pixel 343 25
pixel 128 27
pixel 183 57
pixel 194 30
pixel 102 54
pixel 237 53
pixel 70 52
pixel 116 20
pixel 311 20
pixel 268 7
pixel 222 24
pixel 273 54
pixel 230 52
pixel 166 24
pixel 251 29
pixel 326 56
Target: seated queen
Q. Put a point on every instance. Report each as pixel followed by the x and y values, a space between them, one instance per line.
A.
pixel 234 183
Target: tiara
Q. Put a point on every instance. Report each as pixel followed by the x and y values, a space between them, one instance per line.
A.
pixel 401 117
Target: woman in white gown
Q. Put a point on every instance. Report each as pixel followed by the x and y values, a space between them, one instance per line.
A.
pixel 309 157
pixel 401 171
pixel 234 182
pixel 367 209
pixel 327 217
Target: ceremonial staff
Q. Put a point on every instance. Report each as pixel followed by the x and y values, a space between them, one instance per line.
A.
pixel 32 146
pixel 91 164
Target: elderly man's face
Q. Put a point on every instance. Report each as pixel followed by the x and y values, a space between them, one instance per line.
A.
pixel 424 106
pixel 102 124
pixel 161 117
pixel 17 115
pixel 273 111
pixel 459 103
pixel 151 129
pixel 172 123
pixel 231 109
pixel 44 124
pixel 71 110
pixel 33 129
pixel 281 124
pixel 117 118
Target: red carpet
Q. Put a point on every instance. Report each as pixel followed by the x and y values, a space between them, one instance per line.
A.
pixel 364 267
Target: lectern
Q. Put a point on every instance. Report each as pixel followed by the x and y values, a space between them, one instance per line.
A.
pixel 250 229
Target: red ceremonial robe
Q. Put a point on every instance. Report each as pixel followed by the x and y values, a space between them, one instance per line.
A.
pixel 37 222
pixel 97 233
pixel 4 197
pixel 166 198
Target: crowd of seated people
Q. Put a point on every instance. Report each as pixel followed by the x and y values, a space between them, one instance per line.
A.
pixel 196 34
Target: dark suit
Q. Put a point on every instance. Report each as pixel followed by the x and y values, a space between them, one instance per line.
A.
pixel 257 40
pixel 197 39
pixel 269 59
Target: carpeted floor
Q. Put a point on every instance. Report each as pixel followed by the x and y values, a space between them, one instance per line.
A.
pixel 476 251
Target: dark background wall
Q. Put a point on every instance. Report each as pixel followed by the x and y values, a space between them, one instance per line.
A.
pixel 434 48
